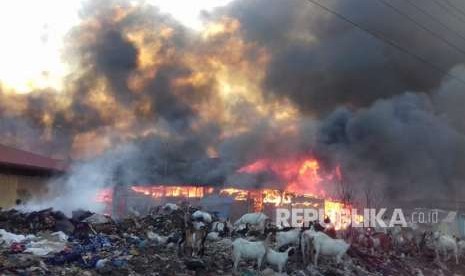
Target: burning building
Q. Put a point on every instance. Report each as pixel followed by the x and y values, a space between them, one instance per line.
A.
pixel 302 183
pixel 24 175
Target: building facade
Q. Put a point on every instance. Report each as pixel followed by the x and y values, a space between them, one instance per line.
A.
pixel 24 175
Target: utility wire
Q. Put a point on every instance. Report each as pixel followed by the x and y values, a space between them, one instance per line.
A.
pixel 388 41
pixel 404 14
pixel 459 10
pixel 427 13
pixel 447 9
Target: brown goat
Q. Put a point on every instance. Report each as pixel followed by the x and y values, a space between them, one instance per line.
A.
pixel 193 240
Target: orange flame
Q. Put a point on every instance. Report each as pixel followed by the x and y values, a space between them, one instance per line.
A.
pixel 173 191
pixel 104 195
pixel 302 176
pixel 304 188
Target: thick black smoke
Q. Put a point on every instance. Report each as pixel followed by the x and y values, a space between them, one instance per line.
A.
pixel 391 121
pixel 320 61
pixel 400 142
pixel 409 145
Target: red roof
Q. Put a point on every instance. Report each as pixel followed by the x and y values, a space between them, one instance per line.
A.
pixel 20 158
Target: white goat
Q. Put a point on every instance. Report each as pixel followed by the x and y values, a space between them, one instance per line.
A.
pixel 170 207
pixel 202 216
pixel 288 237
pixel 248 250
pixel 324 245
pixel 278 259
pixel 257 219
pixel 445 244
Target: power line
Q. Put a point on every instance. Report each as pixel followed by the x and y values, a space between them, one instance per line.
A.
pixel 438 3
pixel 422 27
pixel 455 7
pixel 425 12
pixel 388 41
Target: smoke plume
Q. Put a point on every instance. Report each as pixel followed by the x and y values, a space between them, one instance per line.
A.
pixel 265 79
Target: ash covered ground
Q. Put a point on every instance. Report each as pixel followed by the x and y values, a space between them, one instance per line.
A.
pixel 49 243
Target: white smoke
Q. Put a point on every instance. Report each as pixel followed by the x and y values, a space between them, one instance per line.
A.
pixel 80 186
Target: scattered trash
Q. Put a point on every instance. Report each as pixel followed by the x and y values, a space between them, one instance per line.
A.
pixel 44 247
pixel 31 245
pixel 8 238
pixel 97 219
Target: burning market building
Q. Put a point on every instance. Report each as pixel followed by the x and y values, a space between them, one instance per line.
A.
pixel 300 186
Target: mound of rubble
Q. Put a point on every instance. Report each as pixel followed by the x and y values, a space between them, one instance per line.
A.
pixel 49 243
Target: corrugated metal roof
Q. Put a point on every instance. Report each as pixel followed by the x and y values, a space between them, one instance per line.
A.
pixel 20 158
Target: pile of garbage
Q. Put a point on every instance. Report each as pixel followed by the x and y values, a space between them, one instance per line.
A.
pixel 49 243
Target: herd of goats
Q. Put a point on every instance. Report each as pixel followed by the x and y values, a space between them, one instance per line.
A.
pixel 253 233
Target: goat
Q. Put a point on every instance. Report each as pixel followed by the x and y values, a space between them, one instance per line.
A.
pixel 378 241
pixel 284 228
pixel 243 249
pixel 202 216
pixel 221 227
pixel 170 207
pixel 330 230
pixel 256 219
pixel 316 226
pixel 324 245
pixel 254 231
pixel 198 238
pixel 278 259
pixel 445 244
pixel 406 238
pixel 242 231
pixel 289 237
pixel 193 239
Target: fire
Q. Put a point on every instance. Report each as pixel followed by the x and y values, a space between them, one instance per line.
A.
pixel 104 196
pixel 237 194
pixel 311 166
pixel 302 176
pixel 259 197
pixel 341 214
pixel 221 69
pixel 173 191
pixel 303 184
pixel 333 211
pixel 224 26
pixel 303 187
